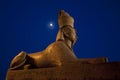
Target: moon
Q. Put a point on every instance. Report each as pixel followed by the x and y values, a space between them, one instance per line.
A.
pixel 51 25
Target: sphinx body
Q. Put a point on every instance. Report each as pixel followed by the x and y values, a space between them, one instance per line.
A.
pixel 57 53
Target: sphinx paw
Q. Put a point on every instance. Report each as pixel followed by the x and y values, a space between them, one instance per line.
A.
pixel 18 60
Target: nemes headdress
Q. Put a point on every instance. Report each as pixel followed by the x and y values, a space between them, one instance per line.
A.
pixel 65 19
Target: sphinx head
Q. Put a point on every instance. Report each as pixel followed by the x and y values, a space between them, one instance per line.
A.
pixel 67 31
pixel 65 19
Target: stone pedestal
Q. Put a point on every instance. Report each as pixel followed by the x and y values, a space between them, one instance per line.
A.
pixel 70 71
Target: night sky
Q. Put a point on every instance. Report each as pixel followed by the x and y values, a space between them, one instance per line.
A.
pixel 25 26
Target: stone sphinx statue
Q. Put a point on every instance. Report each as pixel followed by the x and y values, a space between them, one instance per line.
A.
pixel 57 53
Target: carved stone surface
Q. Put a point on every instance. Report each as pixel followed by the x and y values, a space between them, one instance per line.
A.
pixel 70 71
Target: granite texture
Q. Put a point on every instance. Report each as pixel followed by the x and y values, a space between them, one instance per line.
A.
pixel 70 71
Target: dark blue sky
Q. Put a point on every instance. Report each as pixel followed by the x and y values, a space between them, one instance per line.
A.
pixel 24 25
